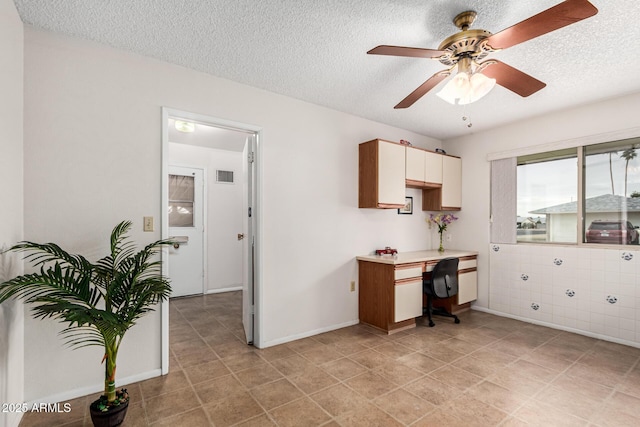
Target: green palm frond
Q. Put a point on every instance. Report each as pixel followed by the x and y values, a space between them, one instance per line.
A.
pixel 99 302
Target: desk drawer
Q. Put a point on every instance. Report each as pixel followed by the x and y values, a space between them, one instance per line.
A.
pixel 407 273
pixel 407 300
pixel 467 263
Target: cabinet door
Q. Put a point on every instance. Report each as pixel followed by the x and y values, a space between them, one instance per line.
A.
pixel 467 287
pixel 407 300
pixel 451 183
pixel 433 167
pixel 391 171
pixel 415 170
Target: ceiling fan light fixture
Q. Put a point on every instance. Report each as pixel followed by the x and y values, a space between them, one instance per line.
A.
pixel 462 89
pixel 456 89
pixel 479 86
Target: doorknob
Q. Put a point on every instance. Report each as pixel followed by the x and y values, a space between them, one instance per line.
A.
pixel 240 236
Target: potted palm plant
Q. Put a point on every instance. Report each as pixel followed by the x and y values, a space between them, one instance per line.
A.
pixel 98 301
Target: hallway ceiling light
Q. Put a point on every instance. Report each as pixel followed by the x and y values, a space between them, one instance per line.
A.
pixel 187 127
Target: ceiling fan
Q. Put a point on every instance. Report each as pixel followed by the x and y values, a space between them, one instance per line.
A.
pixel 465 49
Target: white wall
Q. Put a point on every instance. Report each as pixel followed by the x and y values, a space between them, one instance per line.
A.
pixel 92 147
pixel 224 212
pixel 593 122
pixel 11 222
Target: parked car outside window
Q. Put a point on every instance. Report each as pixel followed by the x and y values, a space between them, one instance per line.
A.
pixel 612 232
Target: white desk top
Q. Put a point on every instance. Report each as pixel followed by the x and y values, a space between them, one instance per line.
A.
pixel 416 256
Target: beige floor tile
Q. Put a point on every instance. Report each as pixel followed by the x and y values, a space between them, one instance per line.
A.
pixel 432 390
pixel 404 406
pixel 370 358
pixel 540 414
pixel 206 371
pixel 233 410
pixel 487 370
pixel 322 355
pixel 498 396
pixel 169 404
pixel 292 365
pixel 196 417
pixel 218 389
pixel 421 362
pixel 312 379
pixel 338 399
pixel 258 375
pixel 367 416
pixel 393 350
pixel 456 377
pixel 370 385
pixel 475 412
pixel 343 368
pixel 259 421
pixel 276 393
pixel 302 412
pixel 165 384
pixel 397 373
pixel 440 418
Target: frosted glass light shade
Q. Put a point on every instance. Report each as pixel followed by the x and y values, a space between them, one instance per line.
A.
pixel 456 89
pixel 462 89
pixel 480 85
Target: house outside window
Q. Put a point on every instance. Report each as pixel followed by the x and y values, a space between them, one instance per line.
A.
pixel 547 181
pixel 548 206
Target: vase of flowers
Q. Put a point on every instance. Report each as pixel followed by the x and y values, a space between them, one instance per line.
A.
pixel 441 220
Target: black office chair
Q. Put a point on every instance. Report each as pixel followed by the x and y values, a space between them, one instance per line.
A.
pixel 442 282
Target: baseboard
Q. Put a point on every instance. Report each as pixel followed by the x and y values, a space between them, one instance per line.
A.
pixel 221 290
pixel 13 418
pixel 84 391
pixel 308 334
pixel 559 327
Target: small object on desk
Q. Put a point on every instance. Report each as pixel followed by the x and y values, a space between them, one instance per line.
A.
pixel 386 251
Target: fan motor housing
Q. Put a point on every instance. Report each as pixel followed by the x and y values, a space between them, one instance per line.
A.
pixel 465 43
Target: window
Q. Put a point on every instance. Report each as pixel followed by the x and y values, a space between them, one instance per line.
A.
pixel 612 192
pixel 547 197
pixel 181 199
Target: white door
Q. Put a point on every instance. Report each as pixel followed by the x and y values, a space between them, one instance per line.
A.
pixel 248 244
pixel 186 229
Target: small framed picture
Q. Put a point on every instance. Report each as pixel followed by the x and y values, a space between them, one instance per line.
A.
pixel 408 207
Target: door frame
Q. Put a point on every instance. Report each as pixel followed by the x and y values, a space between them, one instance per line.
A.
pixel 256 213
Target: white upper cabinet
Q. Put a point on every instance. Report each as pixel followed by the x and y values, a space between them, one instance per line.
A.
pixel 415 171
pixel 451 183
pixel 424 168
pixel 381 175
pixel 433 168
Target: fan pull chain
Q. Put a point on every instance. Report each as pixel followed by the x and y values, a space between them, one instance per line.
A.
pixel 465 117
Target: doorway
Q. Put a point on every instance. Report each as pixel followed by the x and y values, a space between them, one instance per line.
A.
pixel 187 212
pixel 227 139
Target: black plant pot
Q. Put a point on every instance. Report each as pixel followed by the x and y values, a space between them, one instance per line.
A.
pixel 110 418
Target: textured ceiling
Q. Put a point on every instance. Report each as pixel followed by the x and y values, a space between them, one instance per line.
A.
pixel 316 50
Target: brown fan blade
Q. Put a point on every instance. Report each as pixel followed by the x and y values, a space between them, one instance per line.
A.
pixel 414 52
pixel 561 15
pixel 423 89
pixel 511 78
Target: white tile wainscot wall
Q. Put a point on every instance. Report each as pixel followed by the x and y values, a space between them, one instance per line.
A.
pixel 591 291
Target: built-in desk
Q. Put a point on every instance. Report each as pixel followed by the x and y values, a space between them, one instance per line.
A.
pixel 390 287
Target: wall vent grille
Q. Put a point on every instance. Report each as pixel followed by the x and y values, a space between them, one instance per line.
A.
pixel 224 177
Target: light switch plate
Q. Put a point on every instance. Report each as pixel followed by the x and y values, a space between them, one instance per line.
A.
pixel 148 223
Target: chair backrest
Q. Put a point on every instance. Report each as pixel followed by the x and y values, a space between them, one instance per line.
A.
pixel 444 278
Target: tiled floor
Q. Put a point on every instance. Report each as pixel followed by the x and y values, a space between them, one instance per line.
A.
pixel 485 371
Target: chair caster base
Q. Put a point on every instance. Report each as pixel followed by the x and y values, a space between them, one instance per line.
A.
pixel 456 320
pixel 431 324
